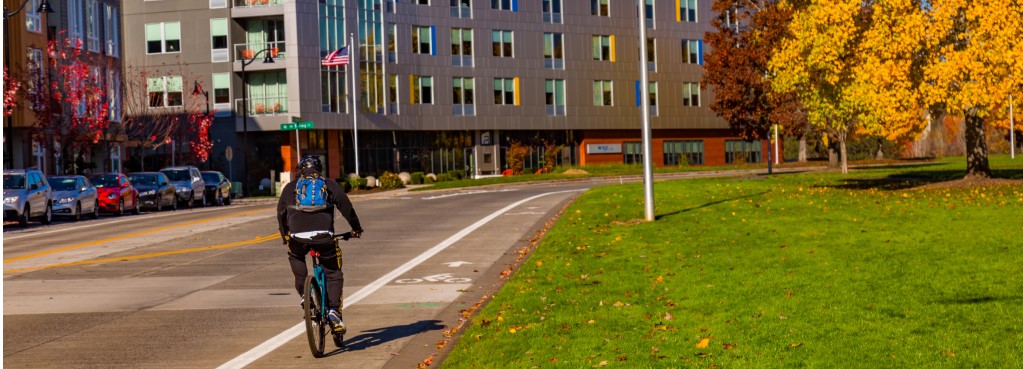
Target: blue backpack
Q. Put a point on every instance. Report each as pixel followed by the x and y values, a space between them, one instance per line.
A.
pixel 311 194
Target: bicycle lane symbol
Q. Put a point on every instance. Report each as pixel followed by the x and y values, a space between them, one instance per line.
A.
pixel 444 277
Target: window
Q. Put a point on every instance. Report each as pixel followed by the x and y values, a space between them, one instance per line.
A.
pixel 551 11
pixel 33 21
pixel 422 40
pixel 601 8
pixel 461 8
pixel 511 5
pixel 692 51
pixel 603 48
pixel 392 42
pixel 334 98
pixel 218 40
pixel 222 91
pixel 651 55
pixel 36 77
pixel 461 47
pixel 112 35
pixel 463 95
pixel 114 94
pixel 391 6
pixel 554 97
pixel 652 92
pixel 603 93
pixel 690 94
pixel 92 25
pixel 268 93
pixel 505 91
pixel 737 152
pixel 165 91
pixel 650 13
pixel 422 89
pixel 503 43
pixel 422 2
pixel 218 4
pixel 687 11
pixel 683 152
pixel 163 37
pixel 553 51
pixel 392 94
pixel 74 23
pixel 633 152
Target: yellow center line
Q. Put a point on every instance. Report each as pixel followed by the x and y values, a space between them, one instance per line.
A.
pixel 256 240
pixel 130 235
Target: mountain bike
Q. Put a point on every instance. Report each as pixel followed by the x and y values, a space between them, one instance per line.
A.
pixel 317 326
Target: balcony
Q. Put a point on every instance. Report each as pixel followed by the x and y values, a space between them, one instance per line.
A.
pixel 245 52
pixel 257 8
pixel 264 106
pixel 257 3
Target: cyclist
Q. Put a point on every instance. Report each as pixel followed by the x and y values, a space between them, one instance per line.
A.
pixel 305 216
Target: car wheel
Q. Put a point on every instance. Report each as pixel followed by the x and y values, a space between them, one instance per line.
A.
pixel 174 203
pixel 48 215
pixel 120 207
pixel 25 216
pixel 191 201
pixel 220 200
pixel 78 211
pixel 95 210
pixel 138 208
pixel 227 200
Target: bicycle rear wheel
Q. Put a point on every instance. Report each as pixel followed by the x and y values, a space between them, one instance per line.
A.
pixel 315 323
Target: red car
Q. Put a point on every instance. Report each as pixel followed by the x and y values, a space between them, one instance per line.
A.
pixel 116 194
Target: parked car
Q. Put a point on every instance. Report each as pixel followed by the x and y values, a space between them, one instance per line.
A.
pixel 74 196
pixel 189 183
pixel 155 190
pixel 218 188
pixel 116 194
pixel 27 196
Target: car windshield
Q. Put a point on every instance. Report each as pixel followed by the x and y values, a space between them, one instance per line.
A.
pixel 177 175
pixel 143 179
pixel 14 181
pixel 105 181
pixel 64 184
pixel 210 178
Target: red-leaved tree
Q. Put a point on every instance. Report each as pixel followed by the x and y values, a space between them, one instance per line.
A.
pixel 11 87
pixel 69 99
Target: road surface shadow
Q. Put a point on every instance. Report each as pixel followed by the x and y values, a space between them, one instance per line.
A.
pixel 374 337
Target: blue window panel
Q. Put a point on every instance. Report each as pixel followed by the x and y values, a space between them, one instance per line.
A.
pixel 699 47
pixel 515 5
pixel 433 42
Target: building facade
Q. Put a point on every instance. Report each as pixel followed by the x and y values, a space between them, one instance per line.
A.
pixel 442 84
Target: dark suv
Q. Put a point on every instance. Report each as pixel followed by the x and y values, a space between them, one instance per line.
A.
pixel 189 184
pixel 27 195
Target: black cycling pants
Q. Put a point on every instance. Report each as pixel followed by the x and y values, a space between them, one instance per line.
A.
pixel 330 259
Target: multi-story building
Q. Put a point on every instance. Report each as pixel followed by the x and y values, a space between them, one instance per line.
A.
pixel 438 80
pixel 93 26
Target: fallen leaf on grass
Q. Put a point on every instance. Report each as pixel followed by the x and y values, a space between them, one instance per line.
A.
pixel 703 343
pixel 729 346
pixel 602 363
pixel 950 353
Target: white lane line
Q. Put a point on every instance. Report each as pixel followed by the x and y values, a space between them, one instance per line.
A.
pixel 100 223
pixel 272 344
pixel 469 192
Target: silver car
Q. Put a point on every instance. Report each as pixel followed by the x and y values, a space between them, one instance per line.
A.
pixel 27 196
pixel 74 196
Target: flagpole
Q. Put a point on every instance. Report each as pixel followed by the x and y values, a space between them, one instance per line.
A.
pixel 355 109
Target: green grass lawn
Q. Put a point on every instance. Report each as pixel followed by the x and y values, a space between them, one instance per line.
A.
pixel 819 270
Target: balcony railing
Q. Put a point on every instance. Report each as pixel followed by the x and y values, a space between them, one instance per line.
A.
pixel 248 51
pixel 248 3
pixel 263 105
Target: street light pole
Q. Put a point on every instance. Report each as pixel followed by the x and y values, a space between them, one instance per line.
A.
pixel 44 7
pixel 648 161
pixel 245 114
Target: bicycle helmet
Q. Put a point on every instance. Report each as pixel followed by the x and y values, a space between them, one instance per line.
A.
pixel 310 162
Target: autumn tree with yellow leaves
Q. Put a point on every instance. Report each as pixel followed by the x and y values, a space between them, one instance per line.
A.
pixel 976 63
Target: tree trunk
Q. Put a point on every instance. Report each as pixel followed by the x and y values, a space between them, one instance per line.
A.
pixel 976 148
pixel 832 153
pixel 770 159
pixel 880 149
pixel 844 157
pixel 802 148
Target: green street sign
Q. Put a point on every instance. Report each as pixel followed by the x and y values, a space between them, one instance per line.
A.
pixel 305 125
pixel 288 126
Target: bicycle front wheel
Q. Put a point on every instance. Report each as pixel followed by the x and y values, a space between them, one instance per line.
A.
pixel 316 326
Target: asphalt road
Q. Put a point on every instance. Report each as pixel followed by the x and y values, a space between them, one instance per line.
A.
pixel 211 287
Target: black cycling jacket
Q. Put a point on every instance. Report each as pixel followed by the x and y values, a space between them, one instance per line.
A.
pixel 292 220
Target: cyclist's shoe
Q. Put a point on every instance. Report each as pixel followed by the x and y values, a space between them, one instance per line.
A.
pixel 301 303
pixel 335 319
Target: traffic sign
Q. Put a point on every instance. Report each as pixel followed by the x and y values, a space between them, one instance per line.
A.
pixel 296 125
pixel 288 126
pixel 229 153
pixel 305 125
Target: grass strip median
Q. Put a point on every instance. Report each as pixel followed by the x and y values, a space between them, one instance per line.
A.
pixel 883 267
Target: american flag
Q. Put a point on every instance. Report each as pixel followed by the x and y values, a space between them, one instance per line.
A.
pixel 336 58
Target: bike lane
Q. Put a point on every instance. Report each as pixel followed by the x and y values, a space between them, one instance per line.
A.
pixel 397 313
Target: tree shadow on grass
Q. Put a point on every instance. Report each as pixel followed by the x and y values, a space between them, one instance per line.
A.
pixel 978 300
pixel 712 203
pixel 378 336
pixel 914 179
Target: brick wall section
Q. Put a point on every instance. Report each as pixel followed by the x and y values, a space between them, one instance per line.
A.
pixel 713 144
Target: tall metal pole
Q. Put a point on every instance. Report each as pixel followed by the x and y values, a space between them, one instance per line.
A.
pixel 355 109
pixel 648 162
pixel 1012 130
pixel 245 131
pixel 776 155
